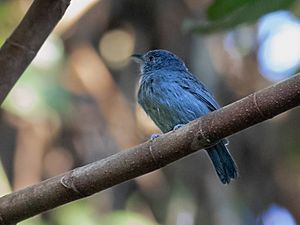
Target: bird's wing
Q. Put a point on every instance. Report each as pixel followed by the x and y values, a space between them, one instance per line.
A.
pixel 195 87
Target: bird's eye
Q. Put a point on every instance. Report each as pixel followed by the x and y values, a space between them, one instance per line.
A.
pixel 151 58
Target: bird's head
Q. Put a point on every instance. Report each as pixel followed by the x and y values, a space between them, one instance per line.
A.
pixel 158 59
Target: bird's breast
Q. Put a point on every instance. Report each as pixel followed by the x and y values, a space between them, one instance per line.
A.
pixel 167 104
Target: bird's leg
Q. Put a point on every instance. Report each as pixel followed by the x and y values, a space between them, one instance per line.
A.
pixel 154 136
pixel 178 126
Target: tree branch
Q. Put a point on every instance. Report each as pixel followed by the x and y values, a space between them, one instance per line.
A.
pixel 21 47
pixel 149 156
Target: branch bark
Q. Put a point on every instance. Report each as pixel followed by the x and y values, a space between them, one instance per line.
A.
pixel 21 47
pixel 149 156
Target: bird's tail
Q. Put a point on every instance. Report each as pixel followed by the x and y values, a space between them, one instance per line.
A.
pixel 223 162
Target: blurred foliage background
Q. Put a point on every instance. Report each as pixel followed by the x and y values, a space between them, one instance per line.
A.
pixel 76 104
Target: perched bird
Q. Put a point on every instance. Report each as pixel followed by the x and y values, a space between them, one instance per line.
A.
pixel 172 96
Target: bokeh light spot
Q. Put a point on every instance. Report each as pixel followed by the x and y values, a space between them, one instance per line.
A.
pixel 277 215
pixel 116 46
pixel 279 51
pixel 25 99
pixel 50 53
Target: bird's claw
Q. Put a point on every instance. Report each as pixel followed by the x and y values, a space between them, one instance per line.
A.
pixel 154 136
pixel 178 126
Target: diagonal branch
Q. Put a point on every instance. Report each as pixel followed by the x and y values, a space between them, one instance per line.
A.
pixel 149 156
pixel 24 43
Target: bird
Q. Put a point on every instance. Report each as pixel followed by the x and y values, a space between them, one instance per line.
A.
pixel 172 97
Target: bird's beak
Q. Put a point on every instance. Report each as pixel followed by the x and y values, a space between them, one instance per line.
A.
pixel 138 58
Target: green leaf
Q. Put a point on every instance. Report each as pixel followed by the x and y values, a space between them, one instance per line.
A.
pixel 225 14
pixel 219 9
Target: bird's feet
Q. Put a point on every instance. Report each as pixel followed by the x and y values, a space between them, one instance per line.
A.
pixel 154 136
pixel 178 126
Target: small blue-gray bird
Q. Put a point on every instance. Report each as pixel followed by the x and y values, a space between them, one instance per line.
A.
pixel 172 96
